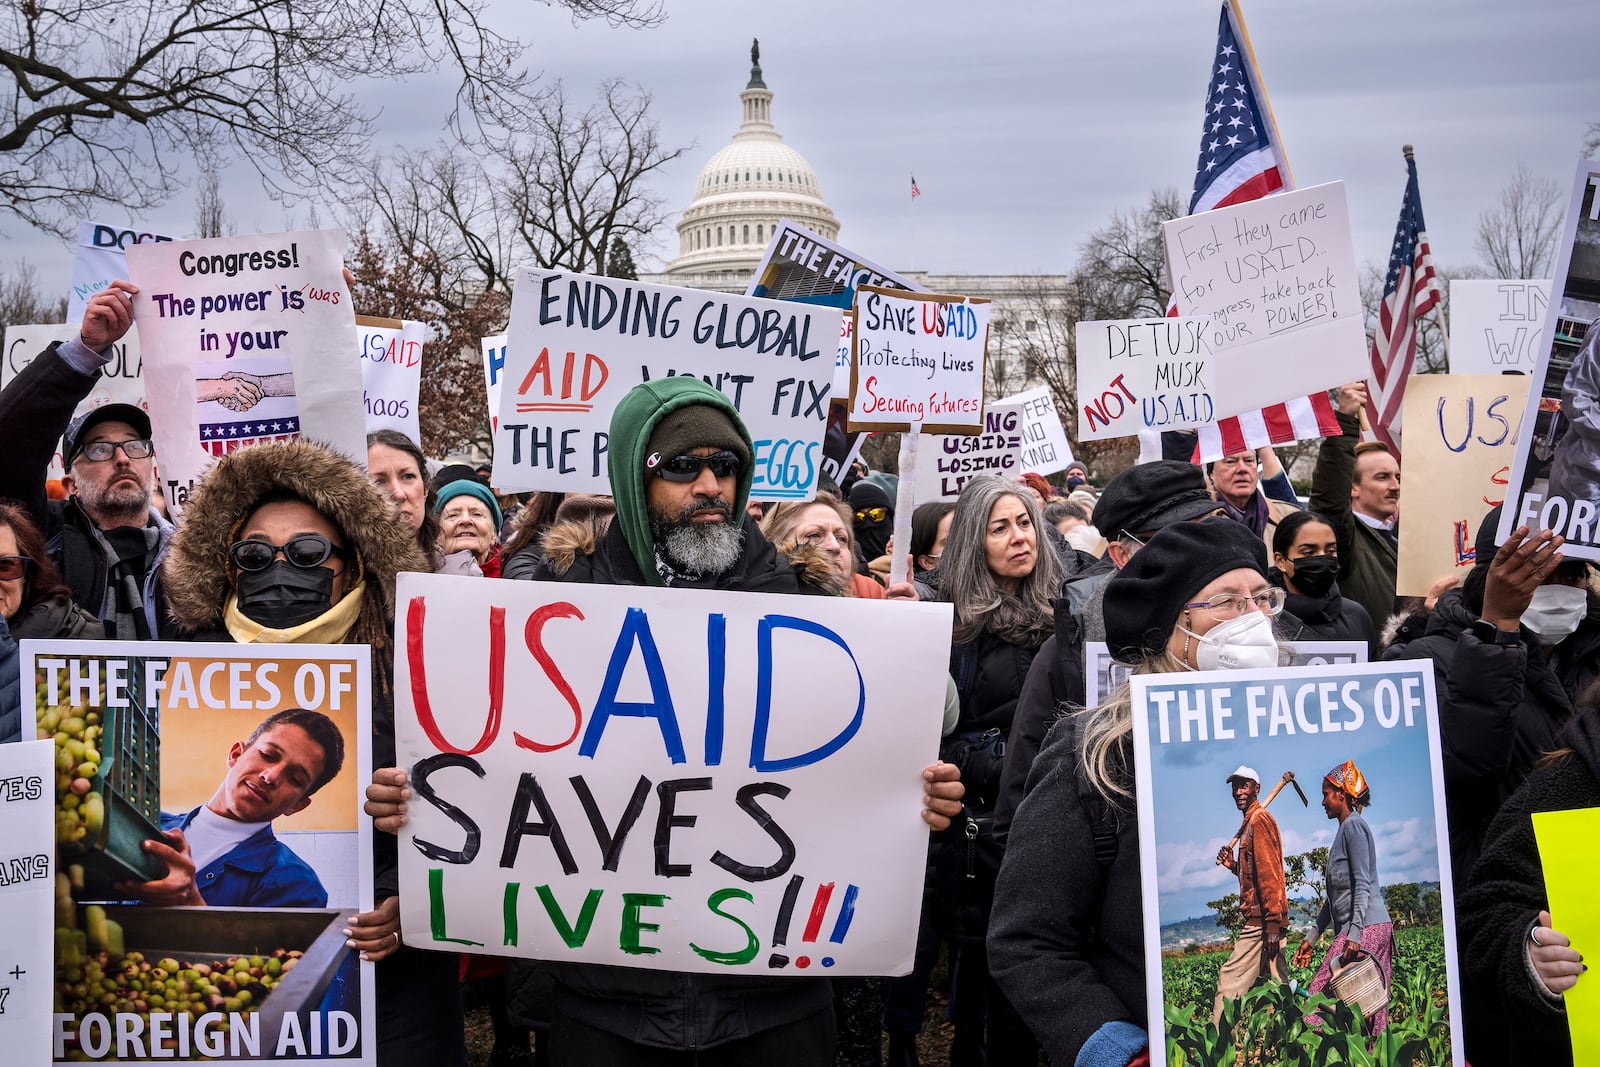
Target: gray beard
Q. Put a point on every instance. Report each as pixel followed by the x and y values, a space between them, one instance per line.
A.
pixel 697 548
pixel 110 507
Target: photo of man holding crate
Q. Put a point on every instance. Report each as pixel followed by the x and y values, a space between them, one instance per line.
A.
pixel 223 853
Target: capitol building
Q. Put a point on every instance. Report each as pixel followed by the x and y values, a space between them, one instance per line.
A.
pixel 757 179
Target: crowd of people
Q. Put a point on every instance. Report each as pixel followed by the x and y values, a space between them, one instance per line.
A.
pixel 1032 887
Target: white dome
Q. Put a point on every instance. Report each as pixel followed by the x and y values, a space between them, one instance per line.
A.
pixel 741 194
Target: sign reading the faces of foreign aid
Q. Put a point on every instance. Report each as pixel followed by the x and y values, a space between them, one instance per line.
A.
pixel 1230 770
pixel 210 847
pixel 577 344
pixel 719 782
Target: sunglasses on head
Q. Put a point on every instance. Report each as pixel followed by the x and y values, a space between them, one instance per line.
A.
pixel 872 515
pixel 687 468
pixel 14 567
pixel 305 551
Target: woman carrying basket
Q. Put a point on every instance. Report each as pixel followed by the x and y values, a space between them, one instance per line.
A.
pixel 1354 906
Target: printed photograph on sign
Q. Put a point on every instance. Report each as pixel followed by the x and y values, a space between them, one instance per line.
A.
pixel 667 788
pixel 208 824
pixel 1555 481
pixel 1497 326
pixel 1294 863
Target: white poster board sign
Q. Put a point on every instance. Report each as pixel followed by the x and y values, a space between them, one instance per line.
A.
pixel 99 258
pixel 666 789
pixel 1020 433
pixel 1103 674
pixel 1147 374
pixel 1496 325
pixel 1190 732
pixel 251 339
pixel 1045 448
pixel 391 373
pixel 577 344
pixel 27 897
pixel 1278 278
pixel 121 382
pixel 1555 479
pixel 918 361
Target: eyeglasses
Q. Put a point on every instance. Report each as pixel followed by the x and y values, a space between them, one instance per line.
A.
pixel 872 515
pixel 305 552
pixel 687 468
pixel 1268 600
pixel 100 451
pixel 14 567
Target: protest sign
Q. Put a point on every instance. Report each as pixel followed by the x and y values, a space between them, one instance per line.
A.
pixel 675 802
pixel 251 339
pixel 1277 277
pixel 806 267
pixel 391 373
pixel 918 362
pixel 577 344
pixel 1146 374
pixel 99 258
pixel 27 896
pixel 1020 433
pixel 186 736
pixel 494 363
pixel 1495 326
pixel 1566 854
pixel 1103 673
pixel 1190 733
pixel 1555 479
pixel 1462 430
pixel 121 382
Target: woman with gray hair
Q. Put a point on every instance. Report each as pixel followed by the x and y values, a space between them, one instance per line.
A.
pixel 999 573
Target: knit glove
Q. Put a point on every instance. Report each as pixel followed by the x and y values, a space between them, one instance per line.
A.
pixel 1116 1044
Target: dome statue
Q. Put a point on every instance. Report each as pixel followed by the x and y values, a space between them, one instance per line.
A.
pixel 741 194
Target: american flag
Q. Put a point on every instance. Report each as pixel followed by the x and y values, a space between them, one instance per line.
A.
pixel 915 192
pixel 1410 291
pixel 1241 160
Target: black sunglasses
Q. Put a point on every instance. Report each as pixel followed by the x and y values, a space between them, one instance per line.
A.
pixel 13 567
pixel 687 468
pixel 305 551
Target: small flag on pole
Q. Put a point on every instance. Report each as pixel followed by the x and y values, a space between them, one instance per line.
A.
pixel 915 192
pixel 1410 291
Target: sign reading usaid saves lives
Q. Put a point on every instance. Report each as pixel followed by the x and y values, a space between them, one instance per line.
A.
pixel 577 344
pixel 702 781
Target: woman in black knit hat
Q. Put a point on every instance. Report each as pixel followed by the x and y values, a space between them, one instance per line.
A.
pixel 1066 938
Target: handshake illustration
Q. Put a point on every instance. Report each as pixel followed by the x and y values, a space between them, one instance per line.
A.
pixel 241 390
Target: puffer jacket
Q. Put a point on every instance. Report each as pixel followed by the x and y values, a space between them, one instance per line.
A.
pixel 56 616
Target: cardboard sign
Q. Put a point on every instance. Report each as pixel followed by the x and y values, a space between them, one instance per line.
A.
pixel 1103 673
pixel 918 361
pixel 577 345
pixel 166 735
pixel 1136 375
pixel 1015 430
pixel 391 373
pixel 121 382
pixel 1278 278
pixel 27 895
pixel 1462 429
pixel 668 788
pixel 1496 326
pixel 1555 479
pixel 494 364
pixel 251 339
pixel 1566 853
pixel 1190 732
pixel 99 258
pixel 808 268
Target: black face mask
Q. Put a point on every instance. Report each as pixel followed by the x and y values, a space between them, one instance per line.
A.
pixel 1073 481
pixel 1314 575
pixel 284 595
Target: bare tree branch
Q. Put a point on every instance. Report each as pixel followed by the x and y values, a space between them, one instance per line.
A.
pixel 1517 237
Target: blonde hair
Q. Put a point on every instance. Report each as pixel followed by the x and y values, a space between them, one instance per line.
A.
pixel 1105 733
pixel 782 520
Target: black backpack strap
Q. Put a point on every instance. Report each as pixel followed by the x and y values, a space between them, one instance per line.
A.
pixel 1101 821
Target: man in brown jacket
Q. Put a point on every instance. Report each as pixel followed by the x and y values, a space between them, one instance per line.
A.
pixel 1262 895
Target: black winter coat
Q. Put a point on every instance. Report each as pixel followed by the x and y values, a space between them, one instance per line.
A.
pixel 1053 687
pixel 1505 894
pixel 1331 618
pixel 1066 937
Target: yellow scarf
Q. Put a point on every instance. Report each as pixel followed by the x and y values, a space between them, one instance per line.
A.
pixel 329 628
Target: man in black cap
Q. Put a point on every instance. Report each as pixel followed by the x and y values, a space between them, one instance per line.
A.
pixel 104 537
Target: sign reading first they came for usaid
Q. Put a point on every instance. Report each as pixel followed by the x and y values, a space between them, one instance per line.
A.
pixel 715 781
pixel 577 344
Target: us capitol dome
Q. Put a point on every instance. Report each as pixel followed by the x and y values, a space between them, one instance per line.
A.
pixel 741 194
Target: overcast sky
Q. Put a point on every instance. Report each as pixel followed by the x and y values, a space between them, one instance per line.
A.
pixel 1028 123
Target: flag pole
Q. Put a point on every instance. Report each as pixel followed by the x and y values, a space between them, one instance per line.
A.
pixel 911 224
pixel 1261 91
